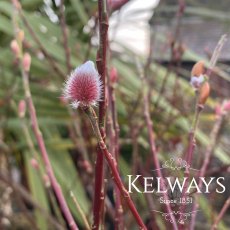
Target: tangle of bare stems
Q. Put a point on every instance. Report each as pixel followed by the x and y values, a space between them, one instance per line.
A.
pixel 149 124
pixel 33 116
pixel 26 196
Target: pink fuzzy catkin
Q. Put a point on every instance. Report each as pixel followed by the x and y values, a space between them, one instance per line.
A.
pixel 83 87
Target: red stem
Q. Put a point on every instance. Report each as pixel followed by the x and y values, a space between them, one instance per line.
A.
pixel 98 189
pixel 154 155
pixel 38 134
pixel 101 66
pixel 41 144
pixel 112 165
pixel 114 136
pixel 208 154
pixel 120 185
pixel 222 212
pixel 56 187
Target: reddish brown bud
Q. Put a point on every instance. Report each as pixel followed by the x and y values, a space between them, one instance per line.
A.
pixel 21 109
pixel 15 48
pixel 204 93
pixel 198 69
pixel 26 62
pixel 21 36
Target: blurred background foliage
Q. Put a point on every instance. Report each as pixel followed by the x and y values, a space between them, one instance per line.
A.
pixel 69 139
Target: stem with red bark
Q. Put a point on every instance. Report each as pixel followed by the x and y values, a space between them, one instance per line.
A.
pixel 221 214
pixel 38 134
pixel 192 133
pixel 207 157
pixel 154 155
pixel 148 121
pixel 114 149
pixel 101 66
pixel 112 165
pixel 39 137
pixel 56 187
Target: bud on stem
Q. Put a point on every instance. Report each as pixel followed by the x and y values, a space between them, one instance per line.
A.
pixel 204 93
pixel 15 48
pixel 26 62
pixel 22 109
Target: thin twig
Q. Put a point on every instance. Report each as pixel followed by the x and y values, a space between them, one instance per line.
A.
pixel 114 131
pixel 154 155
pixel 80 211
pixel 77 130
pixel 217 51
pixel 65 36
pixel 213 139
pixel 148 121
pixel 42 48
pixel 192 133
pixel 221 214
pixel 25 195
pixel 39 137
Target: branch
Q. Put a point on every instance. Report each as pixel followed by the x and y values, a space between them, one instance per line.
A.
pixel 148 121
pixel 207 157
pixel 25 61
pixel 222 212
pixel 25 195
pixel 65 36
pixel 112 165
pixel 101 66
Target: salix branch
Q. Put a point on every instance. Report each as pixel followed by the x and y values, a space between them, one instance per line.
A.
pixel 112 165
pixel 154 153
pixel 221 214
pixel 149 124
pixel 200 82
pixel 39 137
pixel 207 157
pixel 83 89
pixel 101 66
pixel 25 61
pixel 27 197
pixel 114 142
